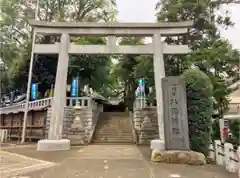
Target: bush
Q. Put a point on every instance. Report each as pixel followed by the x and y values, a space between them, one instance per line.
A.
pixel 235 130
pixel 216 135
pixel 200 109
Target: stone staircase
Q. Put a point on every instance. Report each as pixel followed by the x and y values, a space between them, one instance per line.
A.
pixel 113 127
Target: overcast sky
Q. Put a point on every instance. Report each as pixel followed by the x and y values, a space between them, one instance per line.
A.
pixel 143 11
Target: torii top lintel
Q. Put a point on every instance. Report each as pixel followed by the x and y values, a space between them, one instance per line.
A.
pixel 106 29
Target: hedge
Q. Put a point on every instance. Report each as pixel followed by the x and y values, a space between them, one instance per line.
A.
pixel 200 109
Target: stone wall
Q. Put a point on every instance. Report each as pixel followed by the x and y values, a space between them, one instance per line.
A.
pixel 72 129
pixel 81 131
pixel 95 117
pixel 145 124
pixel 78 131
pixel 67 121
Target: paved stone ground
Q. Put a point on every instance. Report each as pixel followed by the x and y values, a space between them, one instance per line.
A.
pixel 14 164
pixel 106 161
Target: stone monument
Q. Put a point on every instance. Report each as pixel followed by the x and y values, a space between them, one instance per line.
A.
pixel 177 149
pixel 175 114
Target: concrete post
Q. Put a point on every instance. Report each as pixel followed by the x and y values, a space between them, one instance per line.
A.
pixel 159 73
pixel 238 158
pixel 59 98
pixel 211 153
pixel 219 153
pixel 227 153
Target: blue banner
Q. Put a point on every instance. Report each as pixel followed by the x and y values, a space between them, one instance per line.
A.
pixel 141 85
pixel 74 88
pixel 34 91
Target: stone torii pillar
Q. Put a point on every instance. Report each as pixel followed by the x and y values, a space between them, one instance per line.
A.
pixel 159 73
pixel 59 99
pixel 55 142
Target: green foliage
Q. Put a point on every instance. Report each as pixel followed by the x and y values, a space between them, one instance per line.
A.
pixel 16 38
pixel 125 71
pixel 144 68
pixel 235 130
pixel 92 69
pixel 220 93
pixel 216 135
pixel 200 109
pixel 210 53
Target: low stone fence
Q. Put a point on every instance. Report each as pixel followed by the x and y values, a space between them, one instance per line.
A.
pixel 88 114
pixel 83 102
pixel 225 155
pixel 67 120
pixel 145 124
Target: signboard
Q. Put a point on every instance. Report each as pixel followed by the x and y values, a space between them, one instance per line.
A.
pixel 34 91
pixel 74 87
pixel 175 114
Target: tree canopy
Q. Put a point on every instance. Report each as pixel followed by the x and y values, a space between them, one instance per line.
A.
pixel 17 38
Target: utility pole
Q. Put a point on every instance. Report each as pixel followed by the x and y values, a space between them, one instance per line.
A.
pixel 29 78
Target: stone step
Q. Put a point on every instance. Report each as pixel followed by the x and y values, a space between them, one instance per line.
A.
pixel 112 143
pixel 119 122
pixel 108 132
pixel 113 130
pixel 113 140
pixel 113 133
pixel 113 136
pixel 127 125
pixel 113 127
pixel 122 114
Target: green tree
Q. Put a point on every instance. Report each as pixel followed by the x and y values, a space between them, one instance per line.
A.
pixel 215 135
pixel 94 69
pixel 209 53
pixel 17 42
pixel 200 109
pixel 219 61
pixel 235 130
pixel 126 72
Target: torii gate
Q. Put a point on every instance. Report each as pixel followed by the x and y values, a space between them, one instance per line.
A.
pixel 111 31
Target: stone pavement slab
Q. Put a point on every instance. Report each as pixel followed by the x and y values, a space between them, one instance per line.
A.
pixel 95 168
pixel 163 170
pixel 14 164
pixel 113 161
pixel 110 152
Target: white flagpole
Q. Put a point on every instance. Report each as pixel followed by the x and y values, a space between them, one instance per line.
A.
pixel 29 81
